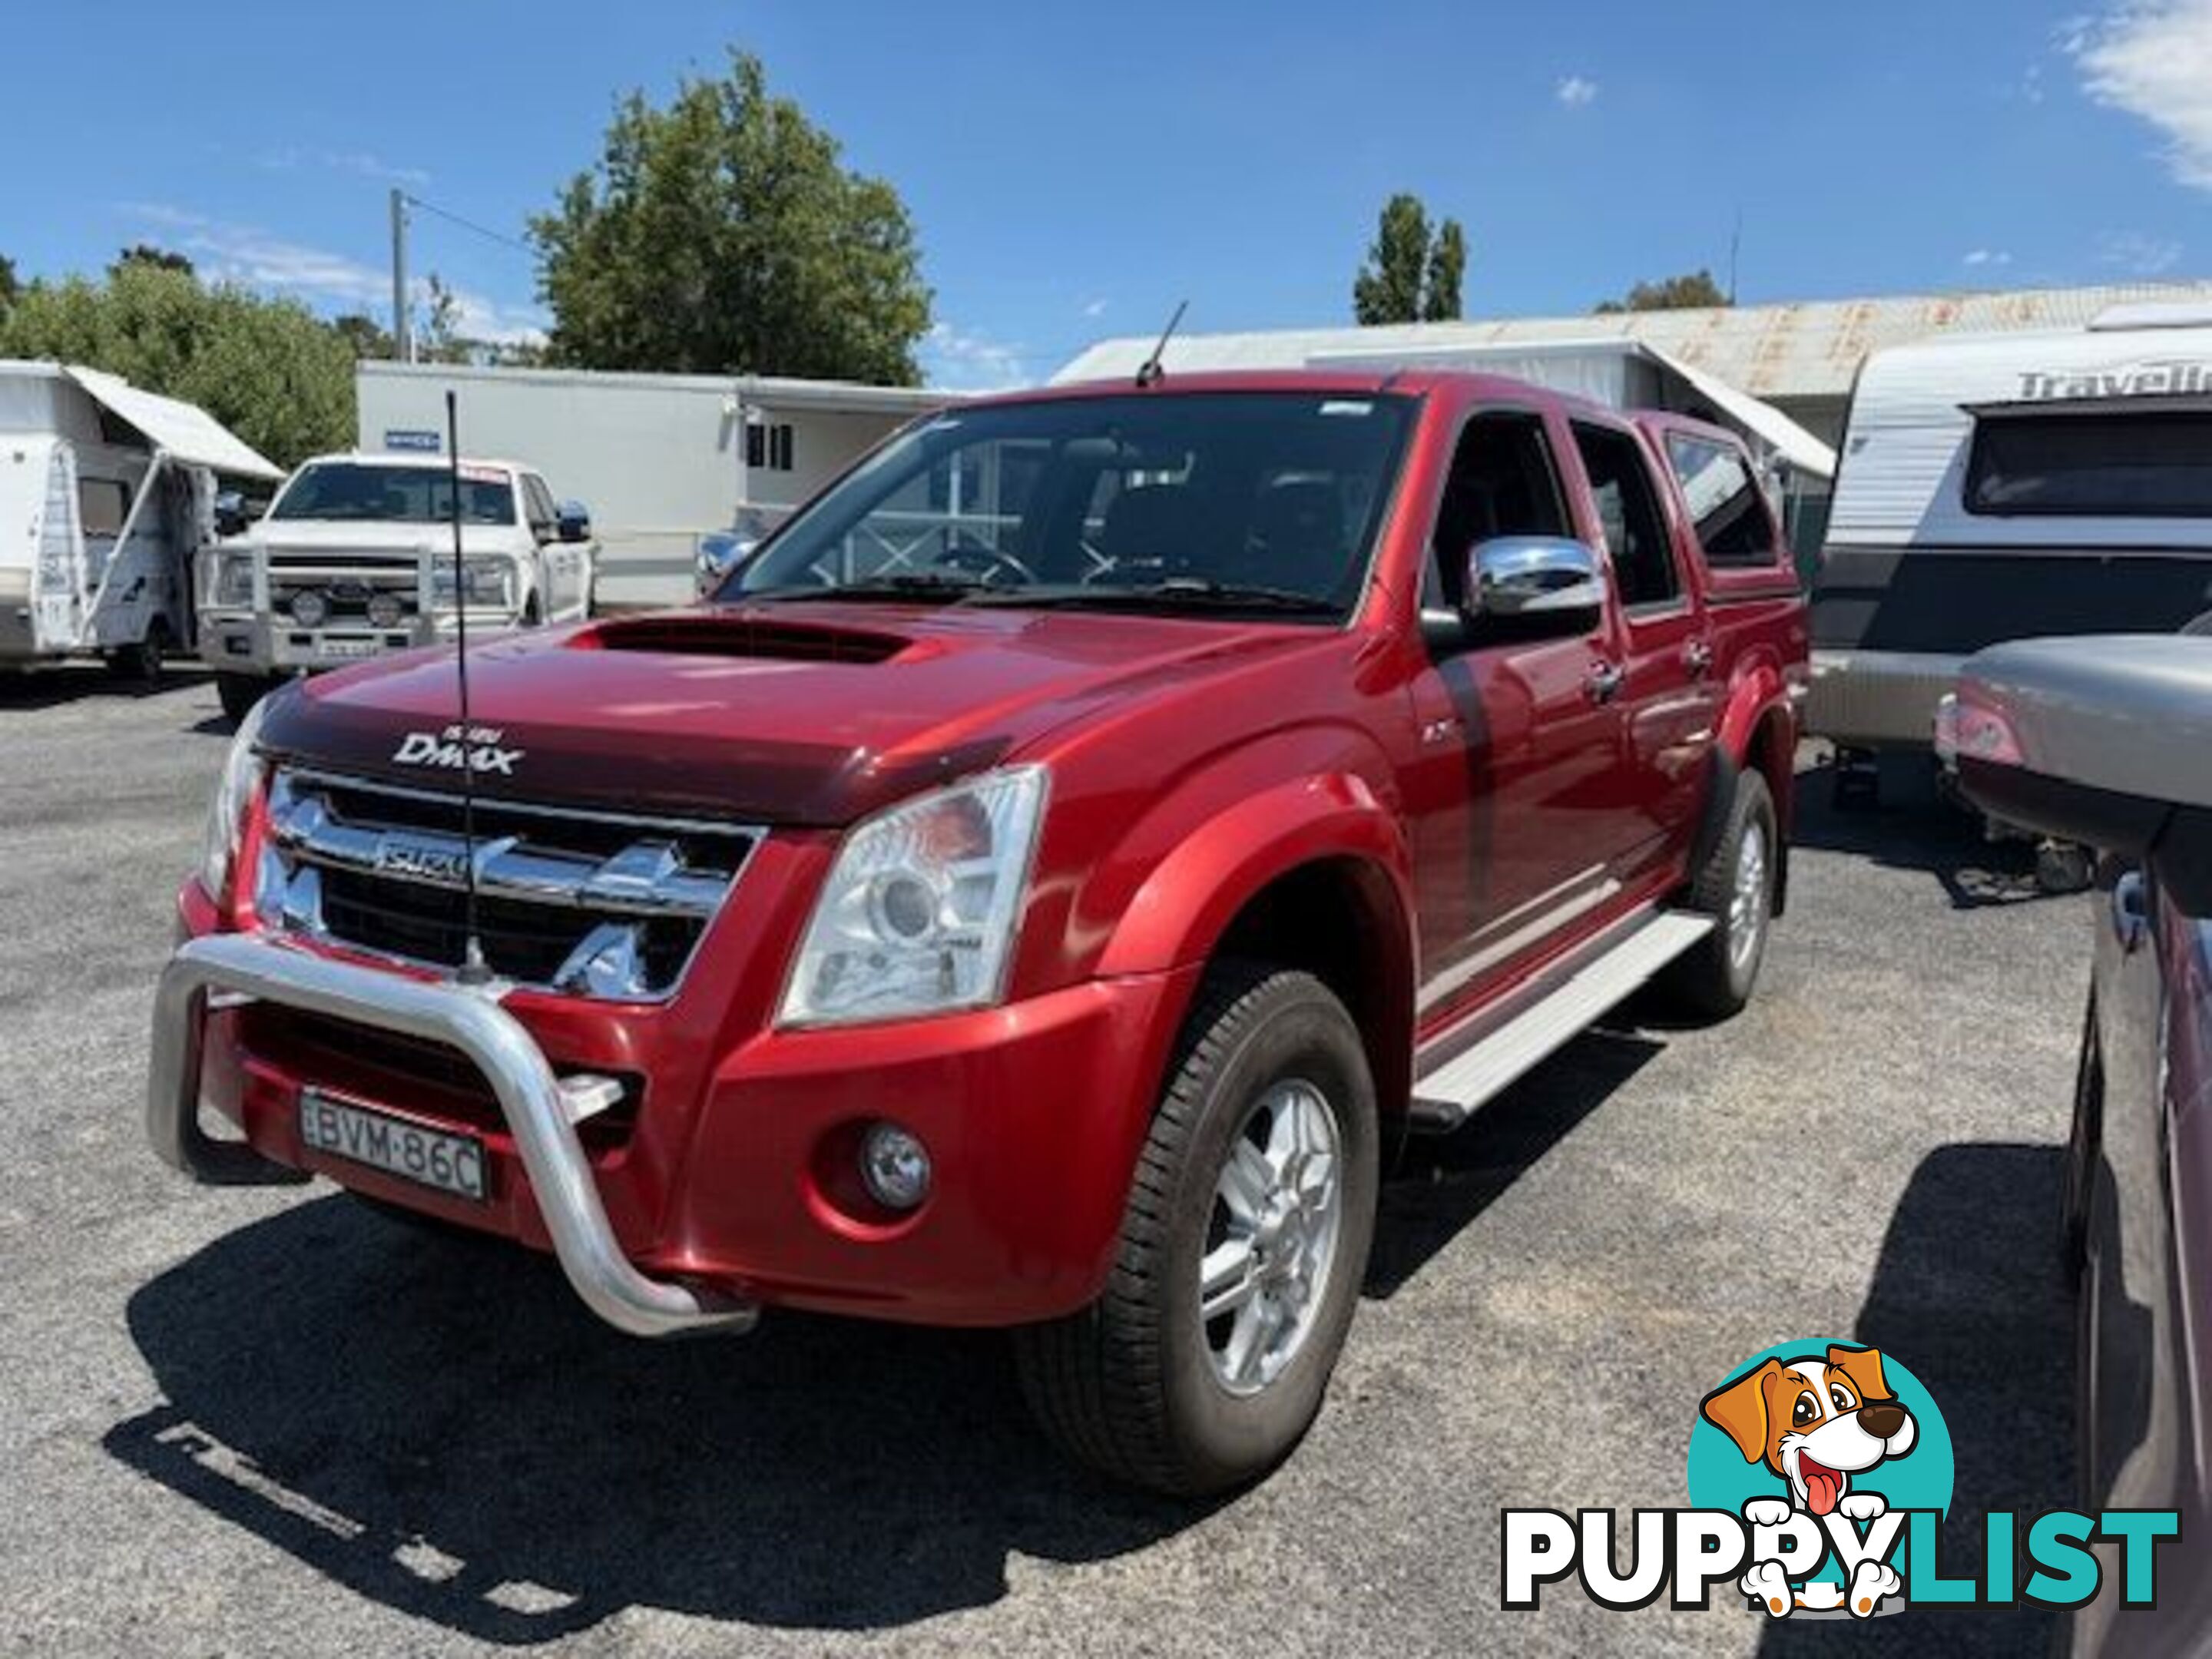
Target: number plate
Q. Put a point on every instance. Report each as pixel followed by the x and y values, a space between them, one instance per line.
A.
pixel 348 648
pixel 447 1163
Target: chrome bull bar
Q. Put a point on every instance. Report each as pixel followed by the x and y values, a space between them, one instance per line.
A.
pixel 468 1018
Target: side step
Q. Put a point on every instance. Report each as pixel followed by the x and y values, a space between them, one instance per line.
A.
pixel 1551 1014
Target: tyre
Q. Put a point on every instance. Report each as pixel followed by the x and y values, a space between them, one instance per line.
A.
pixel 2062 867
pixel 1240 1253
pixel 239 693
pixel 1735 886
pixel 141 663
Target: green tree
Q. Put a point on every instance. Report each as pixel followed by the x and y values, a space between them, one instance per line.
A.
pixel 722 235
pixel 145 253
pixel 1447 275
pixel 364 336
pixel 1410 275
pixel 1695 290
pixel 269 369
pixel 9 288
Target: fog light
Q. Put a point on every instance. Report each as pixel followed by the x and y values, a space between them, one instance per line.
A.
pixel 385 611
pixel 310 609
pixel 895 1166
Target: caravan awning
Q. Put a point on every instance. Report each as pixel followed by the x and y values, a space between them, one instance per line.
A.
pixel 1792 442
pixel 188 433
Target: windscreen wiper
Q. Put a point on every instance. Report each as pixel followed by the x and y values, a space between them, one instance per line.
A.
pixel 910 585
pixel 1175 592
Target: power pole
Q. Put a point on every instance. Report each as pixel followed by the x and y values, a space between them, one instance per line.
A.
pixel 403 337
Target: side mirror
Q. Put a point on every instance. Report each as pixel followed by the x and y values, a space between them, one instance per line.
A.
pixel 231 517
pixel 721 553
pixel 573 522
pixel 1536 584
pixel 2106 740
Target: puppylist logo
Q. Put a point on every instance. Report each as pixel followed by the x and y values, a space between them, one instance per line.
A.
pixel 1820 1472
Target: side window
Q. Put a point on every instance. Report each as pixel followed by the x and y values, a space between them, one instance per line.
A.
pixel 102 506
pixel 1502 482
pixel 1734 527
pixel 1628 509
pixel 537 506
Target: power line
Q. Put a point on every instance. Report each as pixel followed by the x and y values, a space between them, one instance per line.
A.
pixel 488 234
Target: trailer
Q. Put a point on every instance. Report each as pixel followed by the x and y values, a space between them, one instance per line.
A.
pixel 2005 487
pixel 107 499
pixel 667 462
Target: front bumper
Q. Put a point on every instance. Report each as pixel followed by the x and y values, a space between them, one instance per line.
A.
pixel 1878 699
pixel 466 1018
pixel 735 1185
pixel 241 643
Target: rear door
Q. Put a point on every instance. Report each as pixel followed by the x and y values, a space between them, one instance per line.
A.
pixel 1662 685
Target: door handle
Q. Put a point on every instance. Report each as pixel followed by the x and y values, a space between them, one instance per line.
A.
pixel 1604 682
pixel 1697 658
pixel 2130 912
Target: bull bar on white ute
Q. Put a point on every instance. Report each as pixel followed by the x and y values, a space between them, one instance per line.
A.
pixel 468 1019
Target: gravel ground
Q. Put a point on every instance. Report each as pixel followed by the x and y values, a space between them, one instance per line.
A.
pixel 271 1421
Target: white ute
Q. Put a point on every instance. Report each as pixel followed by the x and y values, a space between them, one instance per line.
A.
pixel 354 557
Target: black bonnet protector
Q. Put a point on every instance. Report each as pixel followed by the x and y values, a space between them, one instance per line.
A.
pixel 617 767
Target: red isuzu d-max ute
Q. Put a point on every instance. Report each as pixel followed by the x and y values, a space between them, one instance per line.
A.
pixel 1035 890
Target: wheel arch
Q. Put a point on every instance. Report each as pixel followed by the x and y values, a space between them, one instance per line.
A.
pixel 1312 874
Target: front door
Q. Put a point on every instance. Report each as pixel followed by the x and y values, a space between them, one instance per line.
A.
pixel 1513 805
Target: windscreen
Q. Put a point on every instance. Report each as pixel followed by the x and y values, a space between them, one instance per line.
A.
pixel 361 490
pixel 1136 494
pixel 2149 465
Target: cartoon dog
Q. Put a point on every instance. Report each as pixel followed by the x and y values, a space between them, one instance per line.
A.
pixel 1816 1422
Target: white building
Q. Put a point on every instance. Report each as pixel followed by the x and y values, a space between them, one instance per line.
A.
pixel 658 459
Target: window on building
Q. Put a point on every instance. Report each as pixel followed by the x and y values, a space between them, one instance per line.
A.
pixel 2147 464
pixel 1734 527
pixel 102 504
pixel 769 447
pixel 1628 510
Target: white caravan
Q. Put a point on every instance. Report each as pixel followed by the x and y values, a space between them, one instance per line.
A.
pixel 106 495
pixel 2008 486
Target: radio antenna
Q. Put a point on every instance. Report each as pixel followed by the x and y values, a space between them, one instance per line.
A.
pixel 1153 371
pixel 474 970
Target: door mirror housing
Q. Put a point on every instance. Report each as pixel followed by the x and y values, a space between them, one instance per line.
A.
pixel 231 517
pixel 1542 585
pixel 572 522
pixel 2106 740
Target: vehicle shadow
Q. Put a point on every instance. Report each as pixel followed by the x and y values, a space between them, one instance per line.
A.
pixel 1440 1183
pixel 31 691
pixel 1914 829
pixel 489 1458
pixel 1970 1295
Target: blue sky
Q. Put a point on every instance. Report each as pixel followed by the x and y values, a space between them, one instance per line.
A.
pixel 1073 171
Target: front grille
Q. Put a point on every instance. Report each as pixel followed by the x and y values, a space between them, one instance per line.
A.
pixel 588 904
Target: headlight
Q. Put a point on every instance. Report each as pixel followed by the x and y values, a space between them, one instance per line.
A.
pixel 309 608
pixel 491 581
pixel 919 912
pixel 234 581
pixel 226 824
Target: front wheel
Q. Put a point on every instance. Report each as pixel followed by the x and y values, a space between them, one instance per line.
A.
pixel 1241 1249
pixel 1734 886
pixel 237 693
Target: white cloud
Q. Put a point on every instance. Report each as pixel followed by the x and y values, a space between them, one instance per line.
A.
pixel 1987 256
pixel 2154 59
pixel 962 360
pixel 362 163
pixel 1094 309
pixel 1576 92
pixel 256 259
pixel 2138 255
